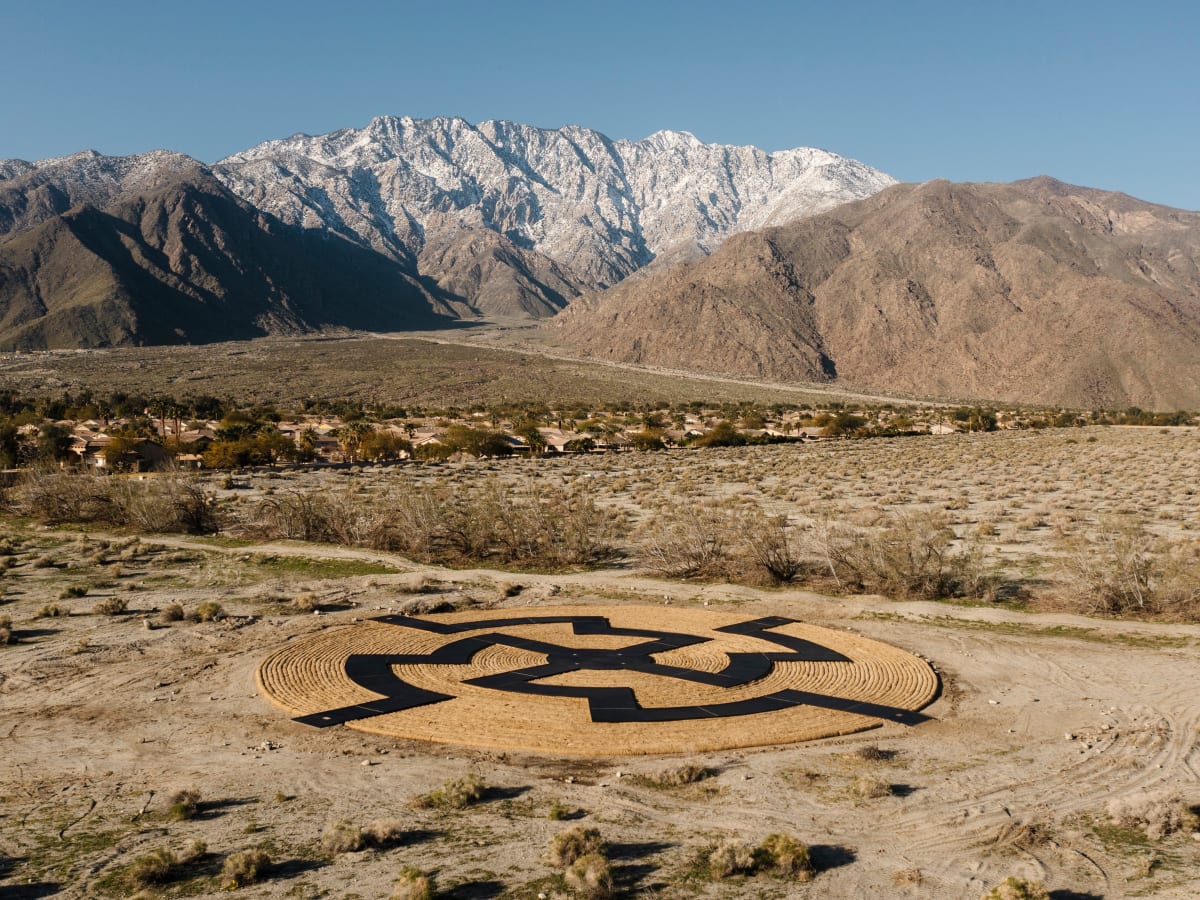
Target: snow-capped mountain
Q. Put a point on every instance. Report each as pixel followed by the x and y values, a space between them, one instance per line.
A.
pixel 568 209
pixel 33 192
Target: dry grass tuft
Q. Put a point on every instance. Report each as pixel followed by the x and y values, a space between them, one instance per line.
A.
pixel 568 846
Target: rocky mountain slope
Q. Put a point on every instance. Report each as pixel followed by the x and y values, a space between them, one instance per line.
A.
pixel 31 193
pixel 188 262
pixel 1034 291
pixel 545 213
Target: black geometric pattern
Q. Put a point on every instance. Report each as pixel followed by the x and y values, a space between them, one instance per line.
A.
pixel 606 704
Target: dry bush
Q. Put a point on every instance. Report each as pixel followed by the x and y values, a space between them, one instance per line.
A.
pixel 183 804
pixel 169 614
pixel 1013 888
pixel 342 837
pixel 154 868
pixel 55 497
pixel 208 611
pixel 413 884
pixel 785 857
pixel 772 544
pixel 575 843
pixel 1112 568
pixel 171 502
pixel 306 515
pixel 590 876
pixel 874 753
pixel 543 526
pixel 731 857
pixel 162 866
pixel 111 606
pixel 457 793
pixel 688 541
pixel 1158 814
pixel 868 787
pixel 1119 567
pixel 384 833
pixel 243 868
pixel 688 773
pixel 914 555
pixel 6 631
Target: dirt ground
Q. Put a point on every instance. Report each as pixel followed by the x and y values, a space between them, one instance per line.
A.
pixel 1043 721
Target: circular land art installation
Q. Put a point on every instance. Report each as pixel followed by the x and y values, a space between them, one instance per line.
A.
pixel 596 680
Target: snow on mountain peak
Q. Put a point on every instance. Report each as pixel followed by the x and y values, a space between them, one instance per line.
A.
pixel 599 209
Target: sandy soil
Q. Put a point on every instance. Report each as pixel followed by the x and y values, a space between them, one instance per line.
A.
pixel 1043 720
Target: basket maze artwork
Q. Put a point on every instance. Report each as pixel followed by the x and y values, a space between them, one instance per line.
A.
pixel 596 680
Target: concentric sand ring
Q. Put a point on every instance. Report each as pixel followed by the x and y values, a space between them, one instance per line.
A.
pixel 596 680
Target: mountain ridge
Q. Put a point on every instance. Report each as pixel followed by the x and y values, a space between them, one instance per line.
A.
pixel 1034 291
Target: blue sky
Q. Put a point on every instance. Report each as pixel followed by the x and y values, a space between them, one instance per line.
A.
pixel 1100 93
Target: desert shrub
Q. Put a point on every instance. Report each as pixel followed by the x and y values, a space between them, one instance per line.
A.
pixel 208 611
pixel 558 811
pixel 786 857
pixel 342 837
pixel 51 611
pixel 1112 568
pixel 1158 813
pixel 568 846
pixel 731 857
pixel 772 546
pixel 384 833
pixel 243 868
pixel 75 590
pixel 413 884
pixel 156 867
pixel 306 515
pixel 6 631
pixel 171 613
pixel 911 555
pixel 688 542
pixel 111 606
pixel 56 497
pixel 868 787
pixel 456 793
pixel 170 503
pixel 306 602
pixel 1013 888
pixel 183 804
pixel 874 753
pixel 688 773
pixel 590 876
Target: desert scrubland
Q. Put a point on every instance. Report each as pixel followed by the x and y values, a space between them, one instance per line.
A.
pixel 1049 578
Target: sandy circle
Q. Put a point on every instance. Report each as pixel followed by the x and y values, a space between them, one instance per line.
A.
pixel 571 680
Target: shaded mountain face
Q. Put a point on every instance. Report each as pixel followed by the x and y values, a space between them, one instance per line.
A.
pixel 1034 291
pixel 189 262
pixel 562 210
